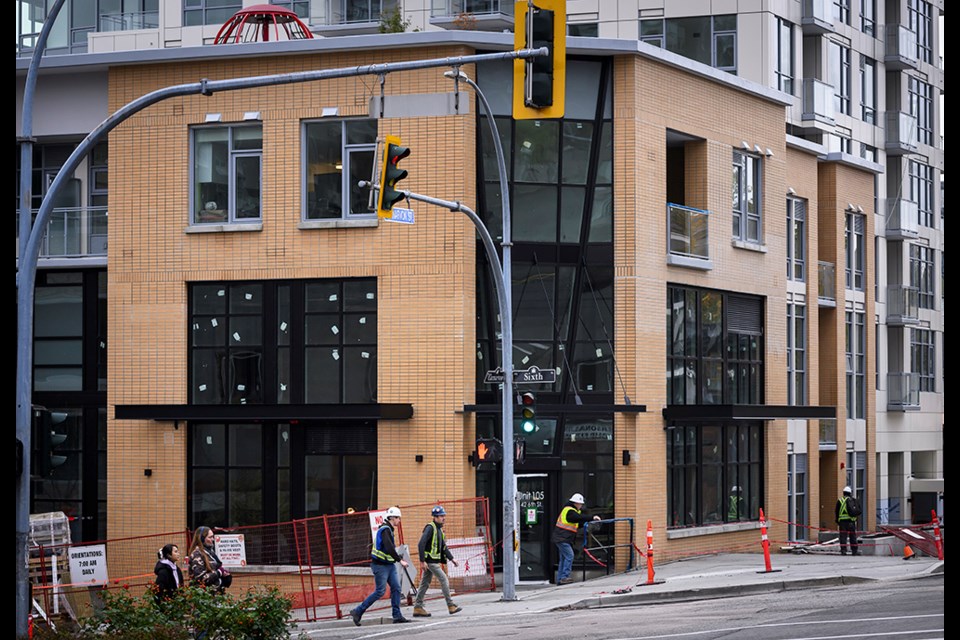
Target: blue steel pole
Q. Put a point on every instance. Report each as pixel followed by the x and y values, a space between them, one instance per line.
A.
pixel 25 318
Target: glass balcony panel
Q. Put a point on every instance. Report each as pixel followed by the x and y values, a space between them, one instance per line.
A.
pixel 827 284
pixel 901 132
pixel 902 305
pixel 817 100
pixel 902 219
pixel 901 47
pixel 73 232
pixel 689 231
pixel 903 391
pixel 828 433
pixel 129 21
pixel 444 8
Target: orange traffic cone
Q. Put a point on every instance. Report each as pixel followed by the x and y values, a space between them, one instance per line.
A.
pixel 907 552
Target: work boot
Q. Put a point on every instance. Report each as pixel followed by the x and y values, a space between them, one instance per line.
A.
pixel 452 609
pixel 420 612
pixel 356 615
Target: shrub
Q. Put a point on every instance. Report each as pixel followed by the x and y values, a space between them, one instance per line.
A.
pixel 259 614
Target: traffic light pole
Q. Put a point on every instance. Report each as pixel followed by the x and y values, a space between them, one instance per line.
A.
pixel 510 539
pixel 511 536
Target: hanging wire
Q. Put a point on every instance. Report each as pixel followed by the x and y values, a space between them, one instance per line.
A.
pixel 556 331
pixel 603 325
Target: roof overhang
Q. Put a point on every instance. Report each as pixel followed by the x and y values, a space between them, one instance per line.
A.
pixel 569 409
pixel 735 412
pixel 263 412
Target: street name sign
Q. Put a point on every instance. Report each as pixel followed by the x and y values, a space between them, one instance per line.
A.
pixel 533 375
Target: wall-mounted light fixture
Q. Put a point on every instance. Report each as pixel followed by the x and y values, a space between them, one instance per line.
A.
pixel 419 458
pixel 791 191
pixel 745 145
pixel 148 472
pixel 213 117
pixel 626 457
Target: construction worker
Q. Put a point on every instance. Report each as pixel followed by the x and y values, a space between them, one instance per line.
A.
pixel 846 523
pixel 433 556
pixel 736 503
pixel 565 535
pixel 384 557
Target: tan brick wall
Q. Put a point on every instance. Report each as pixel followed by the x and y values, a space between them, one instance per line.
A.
pixel 425 271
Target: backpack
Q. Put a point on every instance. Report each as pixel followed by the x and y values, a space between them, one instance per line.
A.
pixel 853 507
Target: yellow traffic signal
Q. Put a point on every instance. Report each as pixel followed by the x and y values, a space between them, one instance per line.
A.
pixel 390 175
pixel 539 84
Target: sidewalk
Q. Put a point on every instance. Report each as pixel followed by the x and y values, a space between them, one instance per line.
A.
pixel 699 578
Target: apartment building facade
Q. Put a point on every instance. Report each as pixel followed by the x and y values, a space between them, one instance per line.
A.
pixel 255 338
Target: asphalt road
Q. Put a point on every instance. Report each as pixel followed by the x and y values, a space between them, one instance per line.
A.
pixel 900 610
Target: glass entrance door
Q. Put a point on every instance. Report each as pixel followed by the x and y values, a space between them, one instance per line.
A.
pixel 535 531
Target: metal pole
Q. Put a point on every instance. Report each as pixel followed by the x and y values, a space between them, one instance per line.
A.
pixel 510 534
pixel 25 318
pixel 30 251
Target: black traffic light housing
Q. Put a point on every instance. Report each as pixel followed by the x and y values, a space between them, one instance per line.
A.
pixel 390 175
pixel 528 412
pixel 539 83
pixel 488 450
pixel 48 435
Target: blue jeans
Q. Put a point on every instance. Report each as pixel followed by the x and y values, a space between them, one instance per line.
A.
pixel 566 560
pixel 384 574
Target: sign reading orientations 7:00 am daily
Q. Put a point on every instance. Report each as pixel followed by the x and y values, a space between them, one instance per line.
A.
pixel 533 375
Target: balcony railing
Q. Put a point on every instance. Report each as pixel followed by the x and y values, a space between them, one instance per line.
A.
pixel 347 12
pixel 442 8
pixel 484 15
pixel 901 47
pixel 817 101
pixel 902 219
pixel 73 233
pixel 129 21
pixel 828 433
pixel 689 231
pixel 901 133
pixel 903 391
pixel 902 305
pixel 817 17
pixel 827 284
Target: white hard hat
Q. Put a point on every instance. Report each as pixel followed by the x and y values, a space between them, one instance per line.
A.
pixel 393 512
pixel 847 490
pixel 735 489
pixel 577 498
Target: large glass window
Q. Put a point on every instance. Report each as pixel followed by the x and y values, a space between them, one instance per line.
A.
pixel 747 197
pixel 855 250
pixel 923 359
pixel 856 343
pixel 338 154
pixel 200 12
pixel 796 239
pixel 921 23
pixel 921 107
pixel 714 347
pixel 921 191
pixel 687 37
pixel 796 354
pixel 785 72
pixel 226 174
pixel 868 17
pixel 839 70
pixel 714 474
pixel 922 275
pixel 316 340
pixel 841 11
pixel 797 510
pixel 868 89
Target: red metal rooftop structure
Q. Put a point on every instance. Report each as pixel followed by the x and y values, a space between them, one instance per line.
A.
pixel 254 24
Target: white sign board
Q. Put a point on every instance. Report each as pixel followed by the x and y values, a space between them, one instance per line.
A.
pixel 231 549
pixel 88 564
pixel 471 557
pixel 377 518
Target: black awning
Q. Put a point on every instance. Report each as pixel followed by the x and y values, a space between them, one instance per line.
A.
pixel 263 412
pixel 569 409
pixel 735 412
